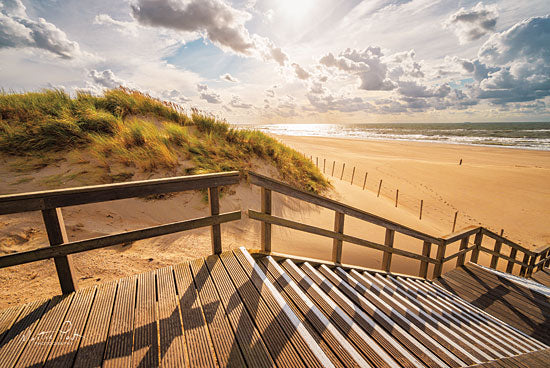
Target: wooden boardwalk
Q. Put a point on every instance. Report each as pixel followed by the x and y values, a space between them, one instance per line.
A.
pixel 513 303
pixel 542 276
pixel 240 311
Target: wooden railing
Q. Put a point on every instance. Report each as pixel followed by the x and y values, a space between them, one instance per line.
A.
pixel 60 249
pixel 528 263
pixel 51 202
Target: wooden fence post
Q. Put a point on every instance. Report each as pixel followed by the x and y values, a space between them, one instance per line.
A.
pixel 379 187
pixel 343 167
pixel 510 265
pixel 531 267
pixel 438 267
pixel 523 269
pixel 475 252
pixel 317 162
pixel 421 206
pixel 57 234
pixel 396 197
pixel 214 199
pixel 365 181
pixel 426 249
pixel 333 164
pixel 324 164
pixel 454 221
pixel 337 243
pixel 266 228
pixel 352 175
pixel 463 245
pixel 498 246
pixel 386 258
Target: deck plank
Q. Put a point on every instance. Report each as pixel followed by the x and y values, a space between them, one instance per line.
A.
pixel 146 345
pixel 68 340
pixel 195 330
pixel 281 349
pixel 254 350
pixel 173 352
pixel 92 347
pixel 223 338
pixel 19 334
pixel 118 351
pixel 7 318
pixel 542 276
pixel 43 337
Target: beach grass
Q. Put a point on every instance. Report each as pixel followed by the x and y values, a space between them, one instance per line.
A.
pixel 131 128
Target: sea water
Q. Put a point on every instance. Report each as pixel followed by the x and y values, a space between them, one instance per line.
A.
pixel 518 135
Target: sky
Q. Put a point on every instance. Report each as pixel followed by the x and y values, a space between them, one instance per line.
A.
pixel 291 61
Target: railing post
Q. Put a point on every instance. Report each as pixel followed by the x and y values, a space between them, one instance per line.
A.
pixel 477 241
pixel 463 245
pixel 525 260
pixel 214 199
pixel 531 267
pixel 510 265
pixel 426 249
pixel 498 246
pixel 386 258
pixel 438 267
pixel 337 243
pixel 543 256
pixel 57 234
pixel 266 228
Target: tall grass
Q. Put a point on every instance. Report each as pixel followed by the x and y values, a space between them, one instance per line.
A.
pixel 132 128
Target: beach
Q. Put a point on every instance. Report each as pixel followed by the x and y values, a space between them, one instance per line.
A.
pixel 495 187
pixel 498 188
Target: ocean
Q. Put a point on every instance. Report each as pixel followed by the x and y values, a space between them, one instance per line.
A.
pixel 517 135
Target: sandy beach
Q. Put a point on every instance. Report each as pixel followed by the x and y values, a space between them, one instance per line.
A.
pixel 495 187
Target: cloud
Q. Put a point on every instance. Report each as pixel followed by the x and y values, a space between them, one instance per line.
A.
pixel 301 73
pixel 415 90
pixel 217 20
pixel 17 30
pixel 207 95
pixel 237 103
pixel 105 78
pixel 270 92
pixel 213 19
pixel 228 77
pixel 130 28
pixel 328 102
pixel 175 96
pixel 366 64
pixel 518 62
pixel 528 39
pixel 470 25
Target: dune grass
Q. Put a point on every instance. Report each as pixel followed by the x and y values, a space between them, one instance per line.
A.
pixel 144 133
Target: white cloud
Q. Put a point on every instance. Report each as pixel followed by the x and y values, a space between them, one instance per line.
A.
pixel 472 24
pixel 301 73
pixel 130 28
pixel 228 77
pixel 237 103
pixel 17 30
pixel 208 95
pixel 366 64
pixel 105 78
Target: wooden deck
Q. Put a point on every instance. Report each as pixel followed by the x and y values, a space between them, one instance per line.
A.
pixel 523 308
pixel 542 276
pixel 235 310
pixel 536 359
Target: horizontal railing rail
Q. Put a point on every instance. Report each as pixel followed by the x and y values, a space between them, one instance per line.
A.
pixel 51 202
pixel 60 248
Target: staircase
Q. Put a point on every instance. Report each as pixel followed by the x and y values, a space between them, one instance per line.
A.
pixel 242 309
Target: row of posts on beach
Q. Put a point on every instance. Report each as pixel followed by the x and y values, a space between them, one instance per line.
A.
pixel 332 172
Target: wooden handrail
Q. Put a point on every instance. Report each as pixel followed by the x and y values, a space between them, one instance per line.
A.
pixel 110 240
pixel 283 188
pixel 37 201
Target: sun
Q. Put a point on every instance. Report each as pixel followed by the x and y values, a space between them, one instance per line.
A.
pixel 295 9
